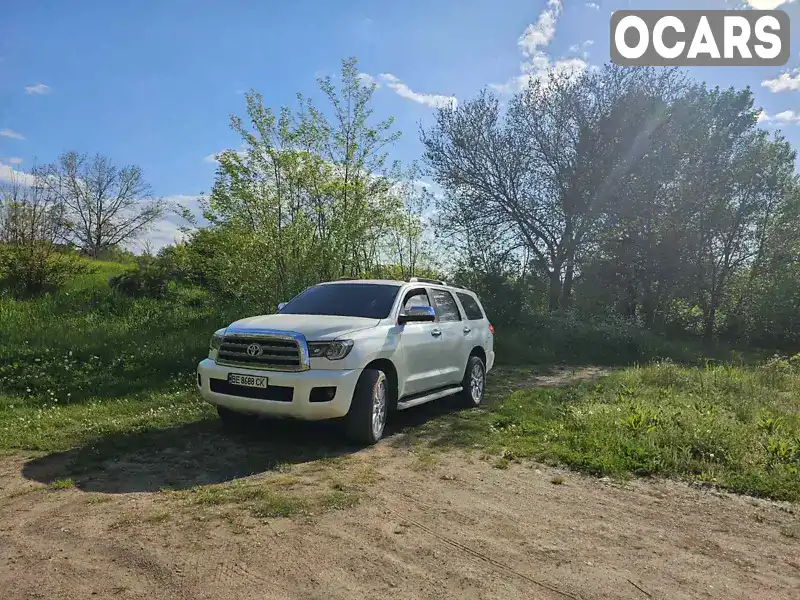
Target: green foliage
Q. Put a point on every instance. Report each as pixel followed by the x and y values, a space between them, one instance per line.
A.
pixel 27 271
pixel 309 198
pixel 150 278
pixel 74 346
pixel 553 337
pixel 736 427
pixel 632 192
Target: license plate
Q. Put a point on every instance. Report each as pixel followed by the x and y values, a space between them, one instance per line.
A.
pixel 247 380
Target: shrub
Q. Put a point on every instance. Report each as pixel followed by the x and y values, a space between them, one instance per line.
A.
pixel 150 278
pixel 33 269
pixel 545 338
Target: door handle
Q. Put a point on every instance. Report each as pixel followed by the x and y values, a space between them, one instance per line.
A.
pixel 467 329
pixel 436 332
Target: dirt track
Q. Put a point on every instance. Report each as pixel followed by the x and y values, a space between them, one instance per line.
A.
pixel 453 528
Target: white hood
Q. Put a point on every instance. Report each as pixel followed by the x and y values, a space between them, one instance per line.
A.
pixel 313 327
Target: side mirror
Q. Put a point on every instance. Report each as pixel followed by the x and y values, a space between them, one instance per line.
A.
pixel 281 305
pixel 417 314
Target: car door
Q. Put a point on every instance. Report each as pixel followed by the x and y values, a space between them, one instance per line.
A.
pixel 454 351
pixel 421 348
pixel 475 325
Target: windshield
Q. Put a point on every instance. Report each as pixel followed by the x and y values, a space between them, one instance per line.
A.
pixel 369 300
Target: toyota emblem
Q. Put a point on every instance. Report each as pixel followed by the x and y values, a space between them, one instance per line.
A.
pixel 254 350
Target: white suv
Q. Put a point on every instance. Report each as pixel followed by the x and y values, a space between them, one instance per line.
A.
pixel 356 349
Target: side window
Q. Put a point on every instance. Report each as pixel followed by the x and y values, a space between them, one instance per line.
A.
pixel 416 298
pixel 446 307
pixel 473 310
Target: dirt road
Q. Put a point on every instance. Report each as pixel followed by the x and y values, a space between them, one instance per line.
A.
pixel 428 526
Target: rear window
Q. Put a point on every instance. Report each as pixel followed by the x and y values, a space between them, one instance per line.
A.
pixel 471 307
pixel 446 307
pixel 368 300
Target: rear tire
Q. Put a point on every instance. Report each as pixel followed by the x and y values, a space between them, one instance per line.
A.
pixel 474 383
pixel 234 420
pixel 366 419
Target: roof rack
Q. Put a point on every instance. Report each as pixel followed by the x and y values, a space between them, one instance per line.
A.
pixel 423 280
pixel 346 278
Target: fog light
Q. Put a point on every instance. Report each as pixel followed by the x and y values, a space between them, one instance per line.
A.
pixel 322 394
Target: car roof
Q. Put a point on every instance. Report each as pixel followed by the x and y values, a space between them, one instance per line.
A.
pixel 455 288
pixel 368 281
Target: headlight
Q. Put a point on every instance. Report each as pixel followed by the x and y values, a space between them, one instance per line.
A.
pixel 336 350
pixel 215 343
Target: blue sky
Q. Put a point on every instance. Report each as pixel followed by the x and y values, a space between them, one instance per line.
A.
pixel 154 82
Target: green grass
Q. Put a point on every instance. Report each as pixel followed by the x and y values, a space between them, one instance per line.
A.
pixel 730 426
pixel 55 427
pixel 265 499
pixel 100 271
pixel 63 484
pixel 96 345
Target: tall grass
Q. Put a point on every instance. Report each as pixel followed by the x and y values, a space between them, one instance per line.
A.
pixel 95 343
pixel 732 426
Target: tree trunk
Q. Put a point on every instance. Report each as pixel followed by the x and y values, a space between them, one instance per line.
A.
pixel 629 302
pixel 649 305
pixel 554 300
pixel 709 320
pixel 566 290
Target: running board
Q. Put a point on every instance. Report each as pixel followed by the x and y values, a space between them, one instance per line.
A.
pixel 428 397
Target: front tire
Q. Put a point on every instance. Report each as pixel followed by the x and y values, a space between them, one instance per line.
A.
pixel 366 419
pixel 474 383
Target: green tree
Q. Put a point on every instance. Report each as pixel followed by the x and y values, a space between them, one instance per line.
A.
pixel 310 196
pixel 34 228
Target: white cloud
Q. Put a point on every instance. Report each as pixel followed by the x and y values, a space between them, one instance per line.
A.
pixel 767 4
pixel 787 117
pixel 543 31
pixel 574 48
pixel 367 79
pixel 402 90
pixel 593 5
pixel 15 161
pixel 39 89
pixel 214 158
pixel 10 133
pixel 785 82
pixel 8 174
pixel 168 230
pixel 538 64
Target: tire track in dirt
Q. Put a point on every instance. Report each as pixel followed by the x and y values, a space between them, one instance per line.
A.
pixel 483 557
pixel 460 530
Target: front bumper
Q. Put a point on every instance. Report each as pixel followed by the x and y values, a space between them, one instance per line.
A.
pixel 302 382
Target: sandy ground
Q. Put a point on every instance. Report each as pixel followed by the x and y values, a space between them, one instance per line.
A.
pixel 429 525
pixel 457 528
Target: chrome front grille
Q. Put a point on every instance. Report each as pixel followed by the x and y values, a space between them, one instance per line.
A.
pixel 270 351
